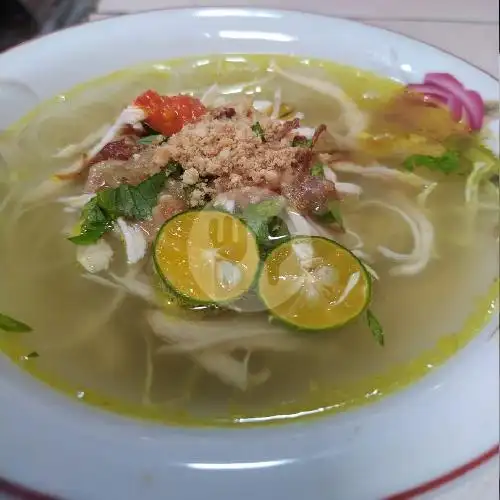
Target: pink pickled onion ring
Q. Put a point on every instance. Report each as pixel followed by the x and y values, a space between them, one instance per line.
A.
pixel 471 101
pixel 455 107
pixel 445 88
pixel 445 81
pixel 474 107
pixel 429 90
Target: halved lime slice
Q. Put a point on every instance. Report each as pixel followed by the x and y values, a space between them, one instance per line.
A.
pixel 314 283
pixel 207 256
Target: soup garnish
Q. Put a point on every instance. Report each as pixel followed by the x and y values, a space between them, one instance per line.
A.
pixel 313 283
pixel 8 324
pixel 207 256
pixel 225 230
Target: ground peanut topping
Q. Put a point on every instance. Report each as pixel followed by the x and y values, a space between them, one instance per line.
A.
pixel 233 150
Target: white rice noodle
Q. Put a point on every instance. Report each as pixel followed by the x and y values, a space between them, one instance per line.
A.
pixel 100 280
pixel 307 132
pixel 378 171
pixel 298 225
pixel 357 238
pixel 95 258
pixel 365 257
pixel 346 188
pixel 129 283
pixel 131 115
pixel 329 174
pixel 423 237
pixel 353 119
pixel 44 191
pixel 257 335
pixel 275 113
pixel 93 324
pixel 210 95
pixel 135 241
pixel 76 202
pixel 362 255
pixel 262 106
pixel 219 363
pixel 473 183
pixel 320 230
pixel 220 101
pixel 489 207
pixel 231 89
pixel 88 142
pixel 136 287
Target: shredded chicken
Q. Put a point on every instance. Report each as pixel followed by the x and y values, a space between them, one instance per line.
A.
pixel 351 122
pixel 214 360
pixel 135 241
pixel 129 116
pixel 95 258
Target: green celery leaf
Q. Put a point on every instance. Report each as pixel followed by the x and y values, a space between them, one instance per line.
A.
pixel 263 218
pixel 9 324
pixel 266 208
pixel 259 131
pixel 173 168
pixel 152 139
pixel 332 214
pixel 90 236
pixel 131 202
pixel 447 163
pixel 375 327
pixel 317 170
pixel 301 142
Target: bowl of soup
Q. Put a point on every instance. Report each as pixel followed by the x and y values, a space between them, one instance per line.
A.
pixel 244 255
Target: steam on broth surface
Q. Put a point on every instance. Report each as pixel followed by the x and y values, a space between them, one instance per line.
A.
pixel 380 229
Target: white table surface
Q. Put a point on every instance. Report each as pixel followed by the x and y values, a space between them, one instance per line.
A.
pixel 466 28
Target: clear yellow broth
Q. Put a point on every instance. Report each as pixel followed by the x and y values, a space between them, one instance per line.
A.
pixel 92 343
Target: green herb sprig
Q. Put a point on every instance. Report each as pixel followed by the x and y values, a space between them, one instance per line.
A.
pixel 317 170
pixel 332 214
pixel 375 327
pixel 259 131
pixel 152 139
pixel 301 142
pixel 9 324
pixel 132 202
pixel 447 163
pixel 265 221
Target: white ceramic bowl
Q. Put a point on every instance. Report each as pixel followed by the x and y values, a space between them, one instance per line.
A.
pixel 55 445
